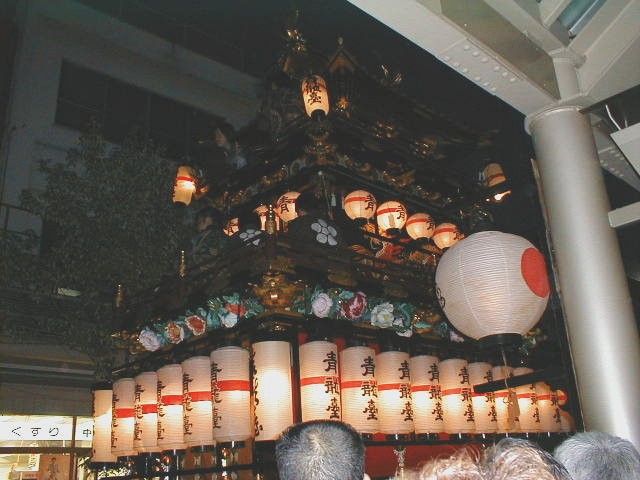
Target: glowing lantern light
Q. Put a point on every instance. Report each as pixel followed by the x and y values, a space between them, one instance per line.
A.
pixel 185 185
pixel 529 416
pixel 446 234
pixel 425 394
pixel 272 394
pixel 484 406
pixel 420 225
pixel 359 389
pixel 230 388
pixel 493 175
pixel 232 226
pixel 124 391
pixel 493 286
pixel 319 381
pixel 391 216
pixel 170 409
pixel 360 205
pixel 196 391
pixel 146 405
pixel 102 418
pixel 394 393
pixel 548 402
pixel 456 396
pixel 262 212
pixel 286 206
pixel 315 96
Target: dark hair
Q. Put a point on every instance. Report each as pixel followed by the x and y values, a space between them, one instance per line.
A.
pixel 320 450
pixel 307 203
pixel 228 131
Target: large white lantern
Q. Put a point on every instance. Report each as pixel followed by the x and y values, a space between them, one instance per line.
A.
pixel 185 185
pixel 315 96
pixel 425 395
pixel 170 409
pixel 286 206
pixel 196 391
pixel 484 405
pixel 420 225
pixel 102 417
pixel 360 205
pixel 391 216
pixel 358 389
pixel 145 438
pixel 319 381
pixel 394 393
pixel 446 235
pixel 123 417
pixel 493 286
pixel 456 396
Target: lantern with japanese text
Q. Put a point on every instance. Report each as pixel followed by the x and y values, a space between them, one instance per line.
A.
pixel 446 234
pixel 549 405
pixel 272 395
pixel 102 418
pixel 319 381
pixel 506 401
pixel 286 206
pixel 358 389
pixel 391 216
pixel 527 395
pixel 230 390
pixel 484 406
pixel 196 391
pixel 124 392
pixel 425 395
pixel 420 225
pixel 145 439
pixel 360 205
pixel 315 96
pixel 394 393
pixel 456 396
pixel 185 185
pixel 493 286
pixel 170 409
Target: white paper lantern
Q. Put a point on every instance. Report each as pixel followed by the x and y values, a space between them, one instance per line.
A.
pixel 425 394
pixel 123 417
pixel 196 391
pixel 484 405
pixel 315 95
pixel 145 437
pixel 567 423
pixel 456 396
pixel 446 235
pixel 420 225
pixel 319 381
pixel 391 215
pixel 286 206
pixel 360 204
pixel 102 418
pixel 491 284
pixel 548 402
pixel 394 393
pixel 272 389
pixel 358 389
pixel 529 417
pixel 185 185
pixel 230 388
pixel 170 410
pixel 506 411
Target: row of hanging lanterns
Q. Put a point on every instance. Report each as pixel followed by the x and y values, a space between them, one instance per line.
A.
pixel 208 400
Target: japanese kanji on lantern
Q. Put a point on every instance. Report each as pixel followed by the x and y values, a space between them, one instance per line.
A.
pixel 145 438
pixel 170 410
pixel 315 96
pixel 446 235
pixel 420 225
pixel 456 396
pixel 484 405
pixel 394 393
pixel 391 216
pixel 123 417
pixel 196 401
pixel 527 395
pixel 230 389
pixel 272 395
pixel 549 404
pixel 319 381
pixel 358 389
pixel 102 418
pixel 425 395
pixel 360 205
pixel 507 407
pixel 286 206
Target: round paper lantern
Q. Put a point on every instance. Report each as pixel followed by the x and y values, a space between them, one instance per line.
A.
pixel 484 405
pixel 102 418
pixel 185 185
pixel 358 389
pixel 456 396
pixel 123 417
pixel 170 410
pixel 319 381
pixel 272 393
pixel 425 394
pixel 420 225
pixel 446 234
pixel 493 286
pixel 286 206
pixel 230 389
pixel 360 205
pixel 196 391
pixel 315 96
pixel 394 393
pixel 529 416
pixel 391 215
pixel 145 437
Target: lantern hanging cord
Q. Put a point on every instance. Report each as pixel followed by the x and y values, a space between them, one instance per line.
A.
pixel 505 363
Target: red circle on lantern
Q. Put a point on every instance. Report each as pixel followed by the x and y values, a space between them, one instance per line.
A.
pixel 534 272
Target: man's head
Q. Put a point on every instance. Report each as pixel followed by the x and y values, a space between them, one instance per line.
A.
pixel 598 455
pixel 320 450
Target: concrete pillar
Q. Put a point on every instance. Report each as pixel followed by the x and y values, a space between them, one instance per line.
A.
pixel 602 331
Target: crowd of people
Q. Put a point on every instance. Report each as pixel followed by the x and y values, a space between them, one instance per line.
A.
pixel 331 450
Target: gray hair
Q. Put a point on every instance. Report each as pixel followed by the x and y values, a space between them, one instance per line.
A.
pixel 320 450
pixel 599 456
pixel 513 458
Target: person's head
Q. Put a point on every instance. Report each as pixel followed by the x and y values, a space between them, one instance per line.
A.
pixel 598 455
pixel 462 465
pixel 306 203
pixel 225 135
pixel 206 217
pixel 320 450
pixel 518 459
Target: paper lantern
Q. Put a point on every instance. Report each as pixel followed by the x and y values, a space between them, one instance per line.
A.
pixel 232 226
pixel 493 175
pixel 567 423
pixel 529 416
pixel 456 396
pixel 420 225
pixel 102 418
pixel 391 216
pixel 484 405
pixel 230 389
pixel 185 185
pixel 319 381
pixel 262 212
pixel 548 403
pixel 394 393
pixel 315 96
pixel 170 410
pixel 358 389
pixel 492 286
pixel 196 391
pixel 506 402
pixel 425 394
pixel 286 206
pixel 123 415
pixel 446 234
pixel 145 438
pixel 273 404
pixel 360 204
